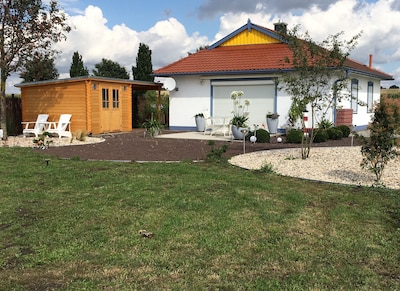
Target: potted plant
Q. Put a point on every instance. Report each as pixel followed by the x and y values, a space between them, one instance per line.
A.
pixel 200 122
pixel 240 115
pixel 272 122
pixel 152 126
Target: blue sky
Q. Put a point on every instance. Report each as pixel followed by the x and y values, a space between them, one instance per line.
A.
pixel 113 29
pixel 141 15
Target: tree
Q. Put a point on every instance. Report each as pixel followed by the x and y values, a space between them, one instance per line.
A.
pixel 380 147
pixel 39 68
pixel 77 68
pixel 108 68
pixel 144 66
pixel 142 72
pixel 26 27
pixel 310 84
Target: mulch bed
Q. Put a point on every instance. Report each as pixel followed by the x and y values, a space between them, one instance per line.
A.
pixel 133 146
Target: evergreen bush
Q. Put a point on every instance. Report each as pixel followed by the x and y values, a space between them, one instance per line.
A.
pixel 344 129
pixel 321 136
pixel 294 136
pixel 334 133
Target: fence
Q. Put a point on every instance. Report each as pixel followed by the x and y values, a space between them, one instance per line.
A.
pixel 14 115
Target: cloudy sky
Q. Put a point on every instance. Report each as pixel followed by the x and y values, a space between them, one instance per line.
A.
pixel 113 29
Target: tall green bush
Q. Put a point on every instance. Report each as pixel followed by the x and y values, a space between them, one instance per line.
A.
pixel 379 148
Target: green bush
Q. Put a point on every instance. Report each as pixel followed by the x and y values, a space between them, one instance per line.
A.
pixel 321 136
pixel 294 136
pixel 262 135
pixel 325 124
pixel 334 133
pixel 344 129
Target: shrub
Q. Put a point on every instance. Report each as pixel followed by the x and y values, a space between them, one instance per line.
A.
pixel 344 129
pixel 215 154
pixel 321 136
pixel 334 133
pixel 262 135
pixel 325 124
pixel 294 136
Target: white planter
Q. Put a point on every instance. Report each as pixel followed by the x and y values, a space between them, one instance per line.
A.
pixel 237 132
pixel 272 124
pixel 200 123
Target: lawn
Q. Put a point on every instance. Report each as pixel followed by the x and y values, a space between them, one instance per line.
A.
pixel 73 225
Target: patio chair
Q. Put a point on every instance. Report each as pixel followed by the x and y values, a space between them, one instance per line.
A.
pixel 37 127
pixel 208 122
pixel 62 127
pixel 216 124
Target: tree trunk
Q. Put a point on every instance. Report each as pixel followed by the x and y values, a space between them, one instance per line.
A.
pixel 3 112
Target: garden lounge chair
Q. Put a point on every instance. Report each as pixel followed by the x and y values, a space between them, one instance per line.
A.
pixel 36 127
pixel 62 127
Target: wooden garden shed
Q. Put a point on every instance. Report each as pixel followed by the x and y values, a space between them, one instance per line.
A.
pixel 97 104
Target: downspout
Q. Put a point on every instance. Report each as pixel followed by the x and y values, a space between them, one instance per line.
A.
pixel 335 94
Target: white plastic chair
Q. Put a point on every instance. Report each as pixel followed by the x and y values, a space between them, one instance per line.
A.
pixel 62 127
pixel 38 127
pixel 208 122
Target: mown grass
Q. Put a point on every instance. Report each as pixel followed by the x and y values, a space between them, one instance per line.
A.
pixel 73 225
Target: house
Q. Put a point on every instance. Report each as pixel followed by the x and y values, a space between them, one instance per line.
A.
pixel 97 104
pixel 250 59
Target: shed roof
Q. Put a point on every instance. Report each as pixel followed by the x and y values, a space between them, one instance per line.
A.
pixel 136 84
pixel 248 58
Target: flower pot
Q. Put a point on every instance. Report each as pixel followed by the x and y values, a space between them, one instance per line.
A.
pixel 237 132
pixel 200 123
pixel 272 124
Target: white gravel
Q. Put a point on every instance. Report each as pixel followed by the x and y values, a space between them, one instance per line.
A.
pixel 19 141
pixel 337 165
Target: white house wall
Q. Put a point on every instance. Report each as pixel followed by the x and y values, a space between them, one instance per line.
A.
pixel 193 96
pixel 362 117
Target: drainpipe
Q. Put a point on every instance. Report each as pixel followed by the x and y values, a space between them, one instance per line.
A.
pixel 335 94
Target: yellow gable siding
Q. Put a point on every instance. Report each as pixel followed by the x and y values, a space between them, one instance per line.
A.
pixel 252 37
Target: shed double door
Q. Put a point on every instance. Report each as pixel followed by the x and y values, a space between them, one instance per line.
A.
pixel 111 112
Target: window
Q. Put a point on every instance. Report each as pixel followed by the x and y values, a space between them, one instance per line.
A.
pixel 370 96
pixel 354 95
pixel 115 98
pixel 105 101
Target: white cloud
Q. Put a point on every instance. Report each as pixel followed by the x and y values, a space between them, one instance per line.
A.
pixel 169 40
pixel 378 21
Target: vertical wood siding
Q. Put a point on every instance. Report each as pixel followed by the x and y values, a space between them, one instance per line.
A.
pixel 79 98
pixel 252 37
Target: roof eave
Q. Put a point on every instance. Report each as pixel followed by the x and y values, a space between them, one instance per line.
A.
pixel 370 74
pixel 236 72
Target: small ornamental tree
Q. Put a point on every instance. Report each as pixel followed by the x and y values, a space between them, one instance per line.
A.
pixel 77 68
pixel 39 68
pixel 317 75
pixel 380 147
pixel 25 28
pixel 108 68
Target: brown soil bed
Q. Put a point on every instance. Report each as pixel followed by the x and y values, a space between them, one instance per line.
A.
pixel 133 146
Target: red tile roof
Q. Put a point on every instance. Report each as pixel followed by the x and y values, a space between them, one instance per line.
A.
pixel 260 58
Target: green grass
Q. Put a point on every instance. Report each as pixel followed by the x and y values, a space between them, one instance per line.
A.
pixel 73 225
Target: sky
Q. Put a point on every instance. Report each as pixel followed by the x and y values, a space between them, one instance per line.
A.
pixel 113 29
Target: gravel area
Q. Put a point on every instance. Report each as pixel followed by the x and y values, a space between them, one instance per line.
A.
pixel 336 164
pixel 20 141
